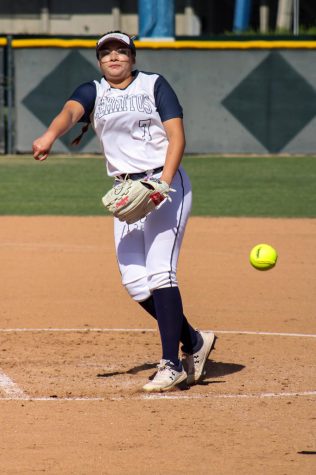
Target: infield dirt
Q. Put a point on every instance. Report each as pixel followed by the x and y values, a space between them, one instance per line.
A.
pixel 70 382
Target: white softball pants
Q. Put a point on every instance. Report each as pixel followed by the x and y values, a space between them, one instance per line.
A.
pixel 148 250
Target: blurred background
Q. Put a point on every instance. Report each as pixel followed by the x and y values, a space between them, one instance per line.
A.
pixel 191 17
pixel 244 70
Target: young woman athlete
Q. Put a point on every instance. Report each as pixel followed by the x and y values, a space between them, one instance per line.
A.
pixel 138 120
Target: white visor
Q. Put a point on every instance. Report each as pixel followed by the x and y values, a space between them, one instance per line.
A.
pixel 114 36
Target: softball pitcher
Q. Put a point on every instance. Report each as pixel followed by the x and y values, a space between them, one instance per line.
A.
pixel 138 120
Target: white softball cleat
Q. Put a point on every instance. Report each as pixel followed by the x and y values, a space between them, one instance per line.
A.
pixel 194 364
pixel 166 377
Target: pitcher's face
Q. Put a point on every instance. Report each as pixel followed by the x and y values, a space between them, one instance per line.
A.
pixel 116 61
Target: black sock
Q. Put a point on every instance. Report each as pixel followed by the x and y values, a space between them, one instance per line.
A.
pixel 189 336
pixel 169 312
pixel 149 306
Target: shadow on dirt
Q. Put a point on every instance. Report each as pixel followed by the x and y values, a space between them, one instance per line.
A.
pixel 135 370
pixel 216 369
pixel 213 369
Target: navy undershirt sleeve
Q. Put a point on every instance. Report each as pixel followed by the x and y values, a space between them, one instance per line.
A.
pixel 167 103
pixel 85 94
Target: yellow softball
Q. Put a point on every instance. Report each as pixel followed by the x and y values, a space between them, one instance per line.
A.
pixel 263 257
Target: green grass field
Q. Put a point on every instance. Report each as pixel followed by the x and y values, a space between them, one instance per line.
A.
pixel 222 186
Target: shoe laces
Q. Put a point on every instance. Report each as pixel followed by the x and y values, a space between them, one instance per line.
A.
pixel 166 365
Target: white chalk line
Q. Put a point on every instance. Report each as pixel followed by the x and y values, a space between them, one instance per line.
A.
pixel 10 388
pixel 224 396
pixel 160 396
pixel 13 392
pixel 237 332
pixel 150 330
pixel 47 398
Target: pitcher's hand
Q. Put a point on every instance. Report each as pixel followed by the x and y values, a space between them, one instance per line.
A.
pixel 42 146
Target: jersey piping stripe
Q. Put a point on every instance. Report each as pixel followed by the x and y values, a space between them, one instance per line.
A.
pixel 178 226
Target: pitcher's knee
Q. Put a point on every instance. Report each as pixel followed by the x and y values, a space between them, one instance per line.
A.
pixel 162 279
pixel 138 289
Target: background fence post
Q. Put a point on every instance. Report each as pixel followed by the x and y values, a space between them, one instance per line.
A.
pixel 9 97
pixel 296 17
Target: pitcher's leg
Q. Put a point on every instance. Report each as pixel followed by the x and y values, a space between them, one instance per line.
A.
pixel 189 336
pixel 130 253
pixel 164 230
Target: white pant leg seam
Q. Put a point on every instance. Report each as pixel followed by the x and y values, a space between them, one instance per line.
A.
pixel 178 227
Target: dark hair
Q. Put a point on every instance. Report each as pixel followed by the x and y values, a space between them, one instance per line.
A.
pixel 131 38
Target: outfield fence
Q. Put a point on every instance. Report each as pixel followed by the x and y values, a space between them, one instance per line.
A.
pixel 238 96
